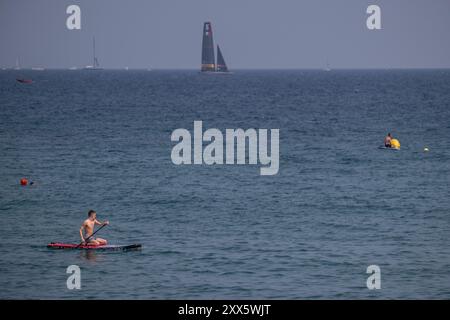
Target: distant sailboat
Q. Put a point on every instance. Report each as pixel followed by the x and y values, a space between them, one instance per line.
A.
pixel 209 65
pixel 95 65
pixel 327 68
pixel 17 67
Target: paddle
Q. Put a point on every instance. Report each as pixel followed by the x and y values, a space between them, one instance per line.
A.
pixel 86 240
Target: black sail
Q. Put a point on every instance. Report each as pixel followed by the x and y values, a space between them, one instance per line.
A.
pixel 221 65
pixel 208 60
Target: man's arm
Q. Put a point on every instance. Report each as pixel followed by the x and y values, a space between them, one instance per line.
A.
pixel 101 223
pixel 81 232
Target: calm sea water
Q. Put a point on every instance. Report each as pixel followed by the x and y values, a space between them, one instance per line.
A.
pixel 101 140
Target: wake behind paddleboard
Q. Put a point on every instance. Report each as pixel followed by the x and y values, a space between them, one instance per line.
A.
pixel 111 247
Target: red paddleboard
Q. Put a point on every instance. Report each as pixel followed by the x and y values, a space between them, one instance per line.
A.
pixel 25 80
pixel 56 245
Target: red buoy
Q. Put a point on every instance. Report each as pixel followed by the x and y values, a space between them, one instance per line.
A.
pixel 23 181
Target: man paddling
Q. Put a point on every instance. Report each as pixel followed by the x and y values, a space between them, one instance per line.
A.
pixel 88 226
pixel 387 141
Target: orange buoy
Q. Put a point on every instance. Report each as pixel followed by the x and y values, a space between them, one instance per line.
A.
pixel 23 181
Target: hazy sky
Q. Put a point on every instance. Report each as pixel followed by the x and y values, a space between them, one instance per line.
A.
pixel 251 33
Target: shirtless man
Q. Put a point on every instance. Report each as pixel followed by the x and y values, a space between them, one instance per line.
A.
pixel 88 225
pixel 387 141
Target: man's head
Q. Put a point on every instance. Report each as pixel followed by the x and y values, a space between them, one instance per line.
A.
pixel 92 214
pixel 389 134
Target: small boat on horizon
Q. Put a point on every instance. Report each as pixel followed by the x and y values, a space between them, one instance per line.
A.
pixel 37 69
pixel 209 65
pixel 95 65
